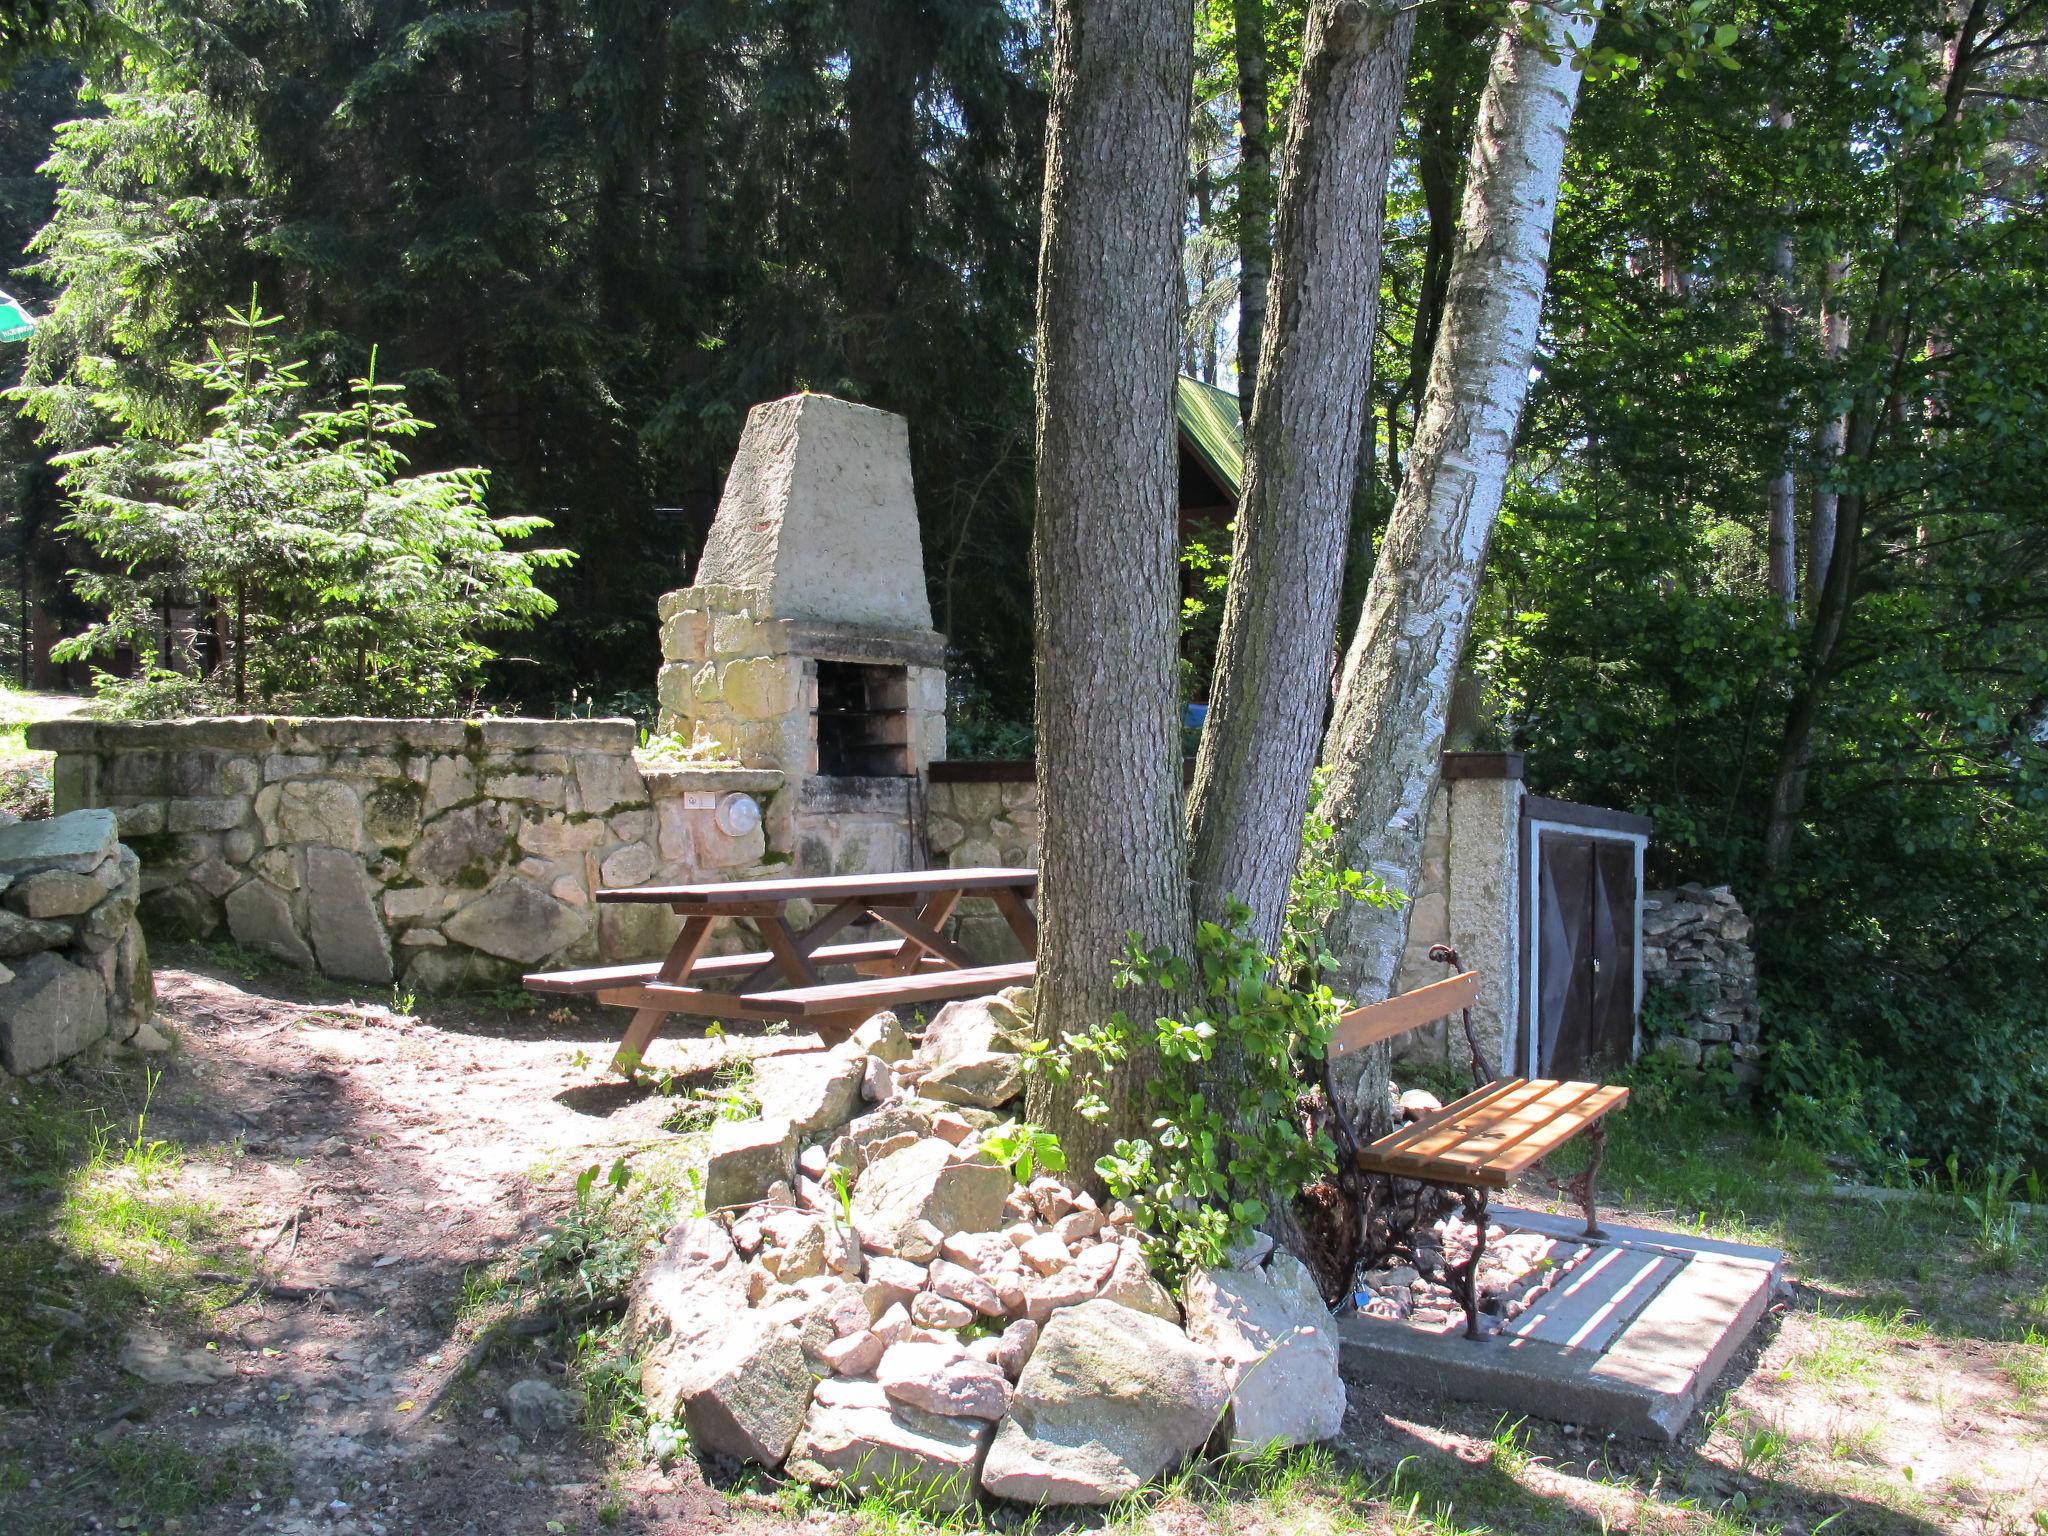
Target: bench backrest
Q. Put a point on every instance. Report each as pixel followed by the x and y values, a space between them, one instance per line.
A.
pixel 1397 1015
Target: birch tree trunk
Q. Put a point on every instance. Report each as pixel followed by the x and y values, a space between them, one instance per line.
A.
pixel 1254 192
pixel 1103 551
pixel 1385 741
pixel 1784 492
pixel 1309 418
pixel 1834 434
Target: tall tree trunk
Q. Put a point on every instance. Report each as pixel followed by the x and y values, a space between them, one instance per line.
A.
pixel 1254 193
pixel 1386 739
pixel 1834 433
pixel 882 168
pixel 1784 491
pixel 1888 341
pixel 1309 419
pixel 1103 549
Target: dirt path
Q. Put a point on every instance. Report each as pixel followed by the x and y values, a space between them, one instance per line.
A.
pixel 368 1162
pixel 355 1182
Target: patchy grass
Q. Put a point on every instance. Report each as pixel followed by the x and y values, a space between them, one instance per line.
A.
pixel 94 1226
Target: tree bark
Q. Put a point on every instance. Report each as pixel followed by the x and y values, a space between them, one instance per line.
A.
pixel 1387 736
pixel 882 172
pixel 1104 546
pixel 1254 193
pixel 1887 340
pixel 1834 434
pixel 1309 420
pixel 1784 491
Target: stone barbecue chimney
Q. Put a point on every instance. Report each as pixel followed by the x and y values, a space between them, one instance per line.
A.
pixel 805 643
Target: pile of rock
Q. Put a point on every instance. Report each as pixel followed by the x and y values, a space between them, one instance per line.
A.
pixel 1515 1270
pixel 73 967
pixel 875 1299
pixel 1696 950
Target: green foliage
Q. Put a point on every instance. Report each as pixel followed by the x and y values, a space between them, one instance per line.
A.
pixel 1221 1150
pixel 1629 640
pixel 347 584
pixel 1024 1148
pixel 589 241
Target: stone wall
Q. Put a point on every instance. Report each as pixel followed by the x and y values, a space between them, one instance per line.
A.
pixel 75 970
pixel 1700 974
pixel 976 815
pixel 439 853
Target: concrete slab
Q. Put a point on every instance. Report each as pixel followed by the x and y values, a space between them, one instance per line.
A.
pixel 1629 1342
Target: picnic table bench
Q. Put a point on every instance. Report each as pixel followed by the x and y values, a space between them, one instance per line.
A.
pixel 1481 1142
pixel 919 964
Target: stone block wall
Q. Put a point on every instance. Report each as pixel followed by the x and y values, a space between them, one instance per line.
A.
pixel 73 966
pixel 438 853
pixel 1700 974
pixel 990 818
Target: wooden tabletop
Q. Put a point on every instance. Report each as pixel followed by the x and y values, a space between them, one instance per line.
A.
pixel 714 894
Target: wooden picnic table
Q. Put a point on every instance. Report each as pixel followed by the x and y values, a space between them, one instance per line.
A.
pixel 918 964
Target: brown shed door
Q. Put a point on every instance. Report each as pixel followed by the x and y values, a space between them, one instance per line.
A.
pixel 1586 920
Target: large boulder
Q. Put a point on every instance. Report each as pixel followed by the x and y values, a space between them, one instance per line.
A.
pixel 855 1437
pixel 1111 1399
pixel 1271 1332
pixel 78 843
pixel 747 1394
pixel 929 1181
pixel 348 936
pixel 971 1026
pixel 50 1009
pixel 983 1080
pixel 815 1092
pixel 747 1157
pixel 515 921
pixel 681 1303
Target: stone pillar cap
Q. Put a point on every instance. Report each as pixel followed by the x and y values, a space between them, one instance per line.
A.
pixel 819 514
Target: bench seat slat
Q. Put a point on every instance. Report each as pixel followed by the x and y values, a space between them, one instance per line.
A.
pixel 604 977
pixel 1492 1134
pixel 841 997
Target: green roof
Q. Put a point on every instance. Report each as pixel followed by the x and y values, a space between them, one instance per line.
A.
pixel 1209 426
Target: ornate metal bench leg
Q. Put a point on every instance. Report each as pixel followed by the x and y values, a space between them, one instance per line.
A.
pixel 1465 1276
pixel 1583 1185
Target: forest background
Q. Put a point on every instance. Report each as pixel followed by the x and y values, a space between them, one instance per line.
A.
pixel 587 236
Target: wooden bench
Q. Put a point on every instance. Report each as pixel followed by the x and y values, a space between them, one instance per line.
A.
pixel 1479 1143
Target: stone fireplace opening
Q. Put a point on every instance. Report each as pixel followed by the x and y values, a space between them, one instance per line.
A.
pixel 863 721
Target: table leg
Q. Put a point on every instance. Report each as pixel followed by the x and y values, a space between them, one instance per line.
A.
pixel 1010 902
pixel 789 954
pixel 647 1020
pixel 930 919
pixel 806 944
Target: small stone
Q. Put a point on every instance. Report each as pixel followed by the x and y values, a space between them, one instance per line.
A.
pixel 536 1407
pixel 895 1279
pixel 1051 1198
pixel 935 1311
pixel 952 1127
pixel 1046 1253
pixel 939 1379
pixel 877 1084
pixel 856 1354
pixel 955 1283
pixel 882 1036
pixel 1418 1102
pixel 1076 1225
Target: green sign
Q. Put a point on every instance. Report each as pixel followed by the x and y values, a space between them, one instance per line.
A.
pixel 15 324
